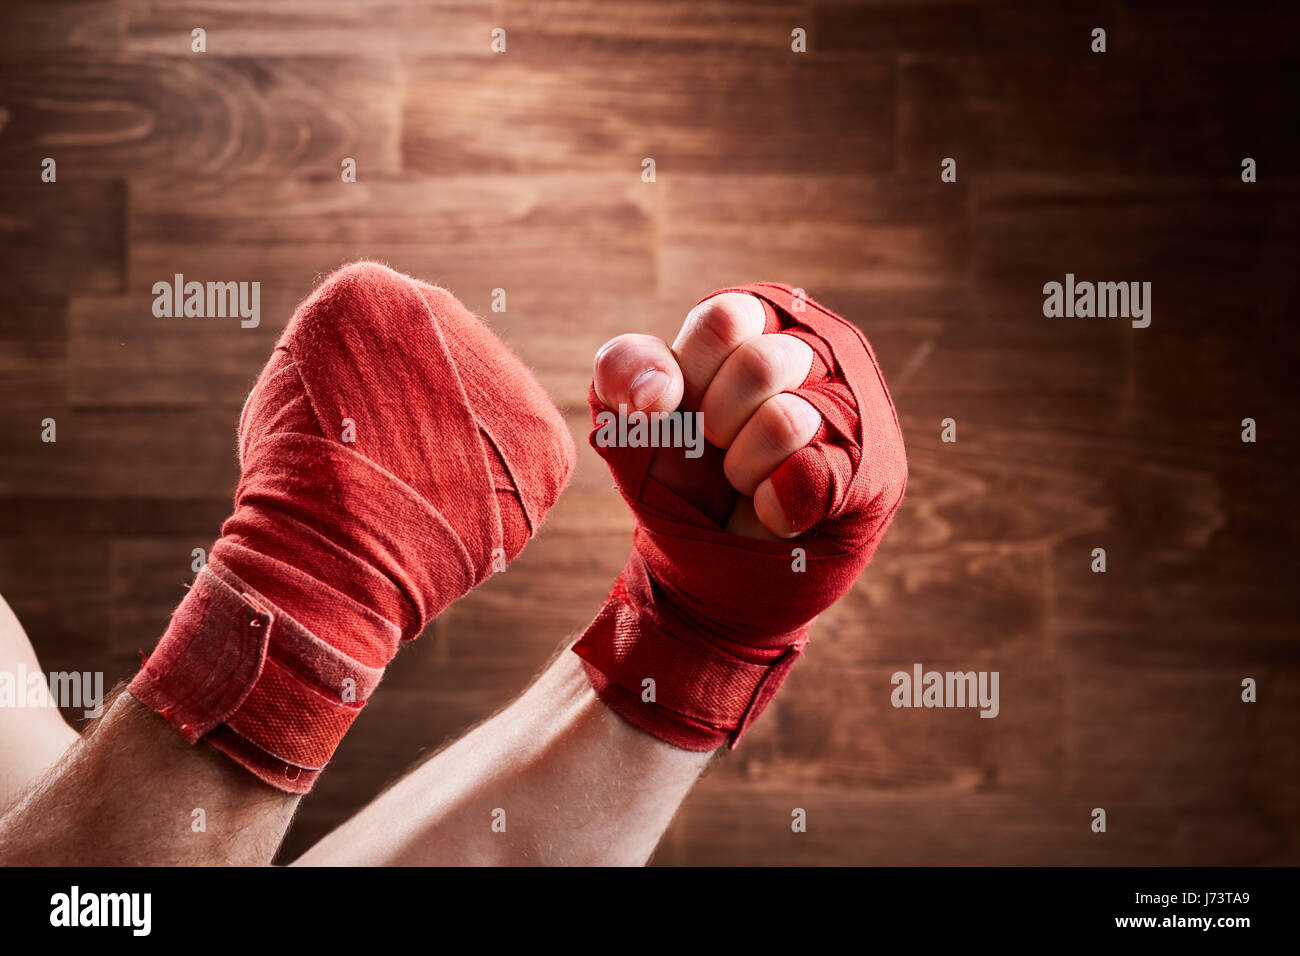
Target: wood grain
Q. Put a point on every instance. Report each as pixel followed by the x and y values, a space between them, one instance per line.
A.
pixel 522 172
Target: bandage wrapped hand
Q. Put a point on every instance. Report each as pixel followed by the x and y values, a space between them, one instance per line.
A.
pixel 737 550
pixel 393 454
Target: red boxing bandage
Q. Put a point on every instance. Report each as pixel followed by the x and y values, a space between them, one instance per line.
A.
pixel 392 454
pixel 715 621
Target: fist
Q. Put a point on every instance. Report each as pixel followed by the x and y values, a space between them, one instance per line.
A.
pixel 722 365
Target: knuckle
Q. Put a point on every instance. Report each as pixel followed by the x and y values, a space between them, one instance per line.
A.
pixel 761 364
pixel 721 320
pixel 718 324
pixel 788 420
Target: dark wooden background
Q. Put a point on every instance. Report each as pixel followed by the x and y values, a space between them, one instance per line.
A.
pixel 522 171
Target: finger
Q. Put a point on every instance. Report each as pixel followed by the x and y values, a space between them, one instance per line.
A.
pixel 806 488
pixel 759 368
pixel 712 331
pixel 768 512
pixel 745 523
pixel 638 371
pixel 782 425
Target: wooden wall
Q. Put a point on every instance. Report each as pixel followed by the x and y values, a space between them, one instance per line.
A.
pixel 522 171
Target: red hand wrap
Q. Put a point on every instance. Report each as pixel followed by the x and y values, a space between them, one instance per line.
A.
pixel 717 620
pixel 349 537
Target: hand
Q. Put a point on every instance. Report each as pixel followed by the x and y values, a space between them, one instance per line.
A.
pixel 714 606
pixel 723 366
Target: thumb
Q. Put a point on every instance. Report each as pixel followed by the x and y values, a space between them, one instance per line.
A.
pixel 638 371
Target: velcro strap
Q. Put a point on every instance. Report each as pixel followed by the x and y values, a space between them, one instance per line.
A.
pixel 292 721
pixel 232 658
pixel 710 689
pixel 208 660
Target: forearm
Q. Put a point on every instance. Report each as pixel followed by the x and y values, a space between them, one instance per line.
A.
pixel 34 735
pixel 131 792
pixel 564 780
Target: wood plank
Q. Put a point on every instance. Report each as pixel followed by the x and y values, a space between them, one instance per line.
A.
pixel 121 354
pixel 344 28
pixel 147 580
pixel 46 259
pixel 58 586
pixel 113 453
pixel 1189 738
pixel 199 117
pixel 1027 113
pixel 692 114
pixel 725 825
pixel 852 233
pixel 35 518
pixel 649 28
pixel 31 28
pixel 33 350
pixel 986 29
pixel 522 172
pixel 544 234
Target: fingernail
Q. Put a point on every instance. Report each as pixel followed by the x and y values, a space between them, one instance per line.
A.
pixel 647 387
